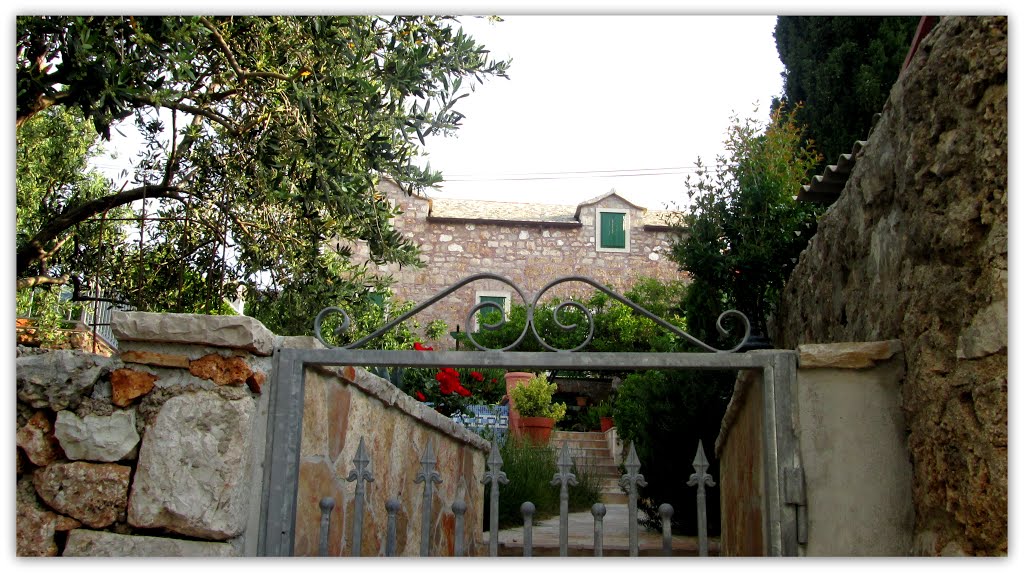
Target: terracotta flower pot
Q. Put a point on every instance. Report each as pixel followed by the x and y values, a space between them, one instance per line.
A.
pixel 607 423
pixel 537 429
pixel 512 380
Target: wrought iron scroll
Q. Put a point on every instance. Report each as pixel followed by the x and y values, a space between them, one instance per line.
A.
pixel 531 325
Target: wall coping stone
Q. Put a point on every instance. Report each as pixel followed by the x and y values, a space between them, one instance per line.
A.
pixel 231 331
pixel 391 395
pixel 847 355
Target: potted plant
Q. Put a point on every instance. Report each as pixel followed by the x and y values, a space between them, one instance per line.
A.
pixel 538 414
pixel 604 414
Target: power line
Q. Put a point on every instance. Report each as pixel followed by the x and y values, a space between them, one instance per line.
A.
pixel 592 174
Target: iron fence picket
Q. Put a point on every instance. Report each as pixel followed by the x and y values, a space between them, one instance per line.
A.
pixel 630 481
pixel 392 505
pixel 666 511
pixel 459 510
pixel 564 478
pixel 700 478
pixel 326 506
pixel 527 508
pixel 429 477
pixel 495 477
pixel 598 510
pixel 361 474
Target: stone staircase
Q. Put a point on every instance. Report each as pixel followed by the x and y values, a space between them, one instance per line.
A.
pixel 591 449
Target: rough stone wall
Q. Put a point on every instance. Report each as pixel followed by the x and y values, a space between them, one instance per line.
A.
pixel 158 451
pixel 915 249
pixel 149 453
pixel 345 405
pixel 529 255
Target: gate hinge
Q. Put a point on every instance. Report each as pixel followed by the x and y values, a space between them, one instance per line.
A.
pixel 796 494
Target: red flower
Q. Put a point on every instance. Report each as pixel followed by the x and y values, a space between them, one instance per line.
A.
pixel 463 391
pixel 449 379
pixel 420 347
pixel 420 397
pixel 476 376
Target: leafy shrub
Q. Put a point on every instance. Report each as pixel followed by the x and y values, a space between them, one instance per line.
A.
pixel 533 399
pixel 664 414
pixel 529 469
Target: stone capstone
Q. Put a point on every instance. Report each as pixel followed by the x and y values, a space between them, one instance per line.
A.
pixel 847 355
pixel 222 370
pixel 193 470
pixel 97 438
pixel 126 385
pixel 37 440
pixel 57 380
pixel 108 544
pixel 95 494
pixel 235 332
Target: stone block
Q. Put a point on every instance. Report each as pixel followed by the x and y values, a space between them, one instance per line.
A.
pixel 126 385
pixel 95 494
pixel 37 440
pixel 222 370
pixel 97 438
pixel 193 470
pixel 986 335
pixel 231 331
pixel 90 543
pixel 846 355
pixel 58 379
pixel 155 359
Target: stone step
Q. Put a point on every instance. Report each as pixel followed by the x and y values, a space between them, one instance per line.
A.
pixel 577 435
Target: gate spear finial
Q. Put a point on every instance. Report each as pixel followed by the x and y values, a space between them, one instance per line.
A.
pixel 361 474
pixel 565 478
pixel 494 476
pixel 700 479
pixel 630 481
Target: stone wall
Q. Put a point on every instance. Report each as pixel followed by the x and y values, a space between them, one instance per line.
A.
pixel 529 254
pixel 158 450
pixel 915 249
pixel 345 405
pixel 849 431
pixel 153 452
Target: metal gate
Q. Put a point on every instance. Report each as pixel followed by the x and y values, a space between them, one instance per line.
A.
pixel 778 368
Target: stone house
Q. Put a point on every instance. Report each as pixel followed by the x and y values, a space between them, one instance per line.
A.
pixel 607 238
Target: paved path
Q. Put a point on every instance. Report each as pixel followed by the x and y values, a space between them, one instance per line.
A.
pixel 581 537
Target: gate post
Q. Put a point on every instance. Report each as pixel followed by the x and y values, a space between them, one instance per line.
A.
pixel 781 452
pixel 281 471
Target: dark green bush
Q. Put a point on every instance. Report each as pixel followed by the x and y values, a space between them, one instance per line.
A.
pixel 665 413
pixel 529 469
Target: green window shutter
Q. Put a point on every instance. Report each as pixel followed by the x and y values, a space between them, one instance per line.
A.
pixel 613 230
pixel 489 315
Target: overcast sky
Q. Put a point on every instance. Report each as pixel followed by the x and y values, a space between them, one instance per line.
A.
pixel 588 95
